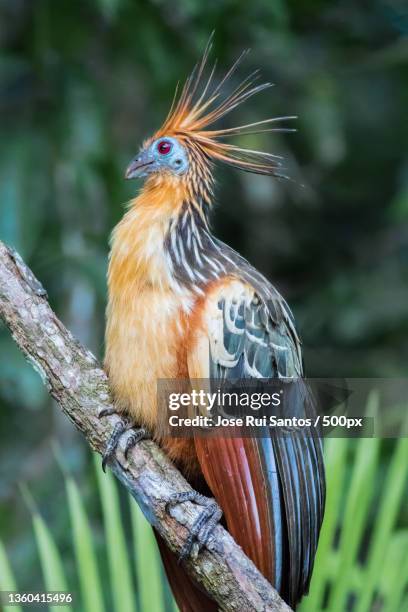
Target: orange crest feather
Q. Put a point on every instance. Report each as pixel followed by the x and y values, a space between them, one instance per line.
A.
pixel 200 105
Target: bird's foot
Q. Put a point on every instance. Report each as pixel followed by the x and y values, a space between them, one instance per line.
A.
pixel 120 428
pixel 204 525
pixel 135 437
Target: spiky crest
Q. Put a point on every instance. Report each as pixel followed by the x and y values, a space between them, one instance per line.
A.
pixel 199 106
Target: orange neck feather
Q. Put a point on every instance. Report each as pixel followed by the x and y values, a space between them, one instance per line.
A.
pixel 137 258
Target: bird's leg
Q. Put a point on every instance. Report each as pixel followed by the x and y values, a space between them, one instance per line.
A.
pixel 120 428
pixel 203 525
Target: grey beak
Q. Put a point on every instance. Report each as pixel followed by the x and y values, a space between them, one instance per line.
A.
pixel 137 166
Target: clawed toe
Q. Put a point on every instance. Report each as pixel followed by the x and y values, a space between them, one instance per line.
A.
pixel 113 441
pixel 205 523
pixel 135 437
pixel 120 428
pixel 106 412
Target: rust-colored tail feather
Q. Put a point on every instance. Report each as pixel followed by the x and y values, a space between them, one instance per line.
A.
pixel 189 597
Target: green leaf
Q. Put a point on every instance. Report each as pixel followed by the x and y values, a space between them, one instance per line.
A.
pixel 391 495
pixel 355 516
pixel 148 564
pixel 118 557
pixel 7 580
pixel 91 589
pixel 393 583
pixel 335 461
pixel 50 559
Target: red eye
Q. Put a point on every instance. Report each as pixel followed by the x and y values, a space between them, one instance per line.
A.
pixel 164 147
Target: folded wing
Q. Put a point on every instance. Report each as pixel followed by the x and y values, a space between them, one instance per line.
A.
pixel 271 487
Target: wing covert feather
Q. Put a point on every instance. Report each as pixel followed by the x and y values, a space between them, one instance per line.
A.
pixel 271 488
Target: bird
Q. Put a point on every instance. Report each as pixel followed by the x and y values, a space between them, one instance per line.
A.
pixel 182 305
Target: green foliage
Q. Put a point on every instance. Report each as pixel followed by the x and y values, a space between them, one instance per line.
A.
pixel 147 562
pixel 362 555
pixel 356 511
pixel 117 552
pixel 7 580
pixel 341 574
pixel 91 587
pixel 139 586
pixel 50 559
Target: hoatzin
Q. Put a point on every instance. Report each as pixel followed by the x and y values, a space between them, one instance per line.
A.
pixel 184 305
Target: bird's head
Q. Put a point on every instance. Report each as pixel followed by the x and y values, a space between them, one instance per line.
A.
pixel 163 154
pixel 185 147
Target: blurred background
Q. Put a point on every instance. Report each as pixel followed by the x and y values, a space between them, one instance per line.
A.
pixel 81 85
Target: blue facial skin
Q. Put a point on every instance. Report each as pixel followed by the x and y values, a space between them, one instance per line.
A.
pixel 154 160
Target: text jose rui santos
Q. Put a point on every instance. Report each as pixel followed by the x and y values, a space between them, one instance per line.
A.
pixel 282 409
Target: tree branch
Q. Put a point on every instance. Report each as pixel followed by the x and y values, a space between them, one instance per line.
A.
pixel 75 379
